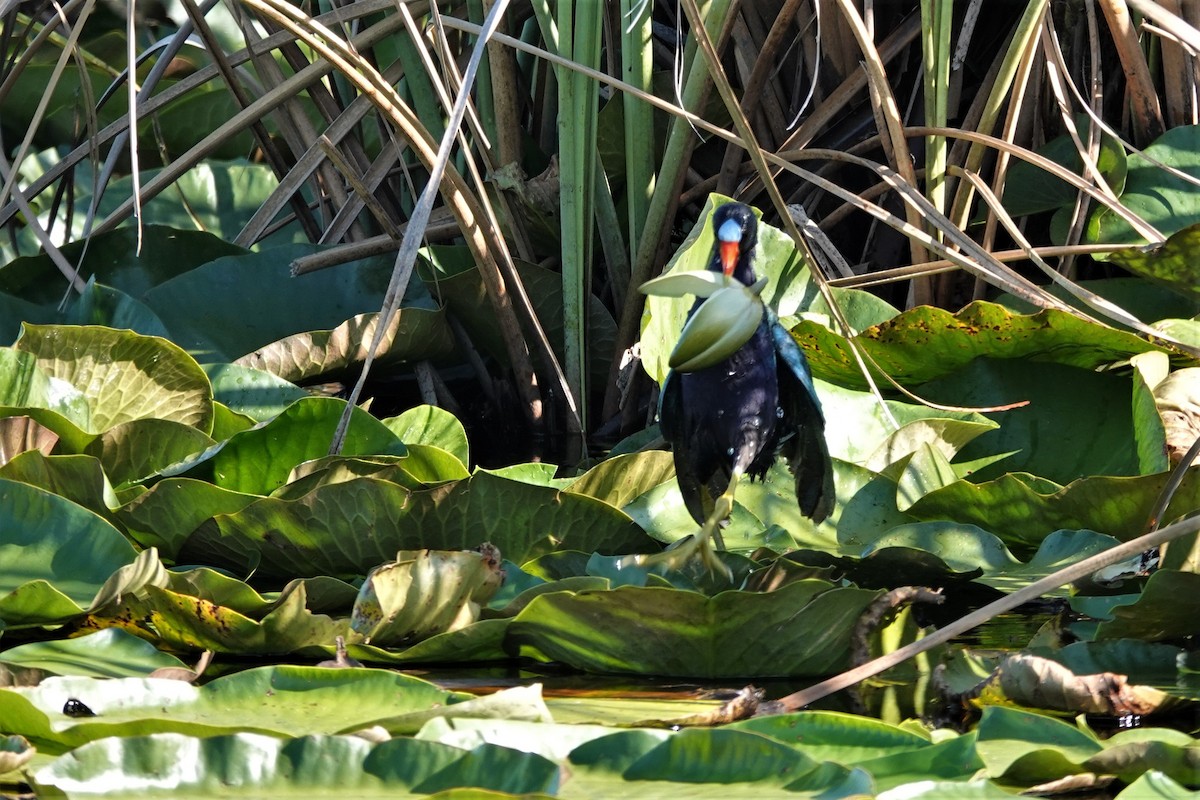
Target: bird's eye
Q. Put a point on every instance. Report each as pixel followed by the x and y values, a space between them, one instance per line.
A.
pixel 730 231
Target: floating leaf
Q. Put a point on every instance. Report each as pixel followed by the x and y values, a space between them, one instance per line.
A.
pixel 277 700
pixel 251 300
pixel 1022 509
pixel 110 653
pixel 56 556
pixel 124 376
pixel 801 629
pixel 345 529
pixel 1024 748
pixel 114 259
pixel 431 425
pixel 258 394
pixel 259 460
pixel 1168 608
pixel 619 480
pixel 425 592
pixel 415 334
pixel 926 342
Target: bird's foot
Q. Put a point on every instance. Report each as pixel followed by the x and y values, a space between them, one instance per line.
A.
pixel 678 557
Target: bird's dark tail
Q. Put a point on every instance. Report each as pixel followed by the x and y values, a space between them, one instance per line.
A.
pixel 813 469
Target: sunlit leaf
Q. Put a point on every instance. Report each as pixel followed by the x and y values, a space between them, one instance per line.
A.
pixel 926 342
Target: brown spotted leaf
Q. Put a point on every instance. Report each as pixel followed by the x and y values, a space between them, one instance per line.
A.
pixel 926 343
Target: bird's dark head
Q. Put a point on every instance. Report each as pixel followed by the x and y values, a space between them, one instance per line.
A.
pixel 736 230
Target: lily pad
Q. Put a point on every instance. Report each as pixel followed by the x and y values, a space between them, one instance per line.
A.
pixel 926 343
pixel 1023 509
pixel 1166 201
pixel 255 393
pixel 801 629
pixel 431 425
pixel 1168 608
pixel 110 653
pixel 276 700
pixel 57 556
pixel 124 376
pixel 259 460
pixel 345 529
pixel 253 766
pixel 415 334
pixel 113 258
pixel 80 479
pixel 251 300
pixel 166 515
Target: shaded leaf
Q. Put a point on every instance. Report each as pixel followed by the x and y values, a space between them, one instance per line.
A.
pixel 415 334
pixel 801 629
pixel 258 394
pixel 345 529
pixel 56 555
pixel 110 653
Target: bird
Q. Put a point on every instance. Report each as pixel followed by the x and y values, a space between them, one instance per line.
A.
pixel 732 418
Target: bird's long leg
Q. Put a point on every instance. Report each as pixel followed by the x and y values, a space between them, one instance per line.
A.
pixel 702 542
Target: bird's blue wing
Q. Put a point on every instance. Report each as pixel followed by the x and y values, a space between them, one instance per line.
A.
pixel 791 356
pixel 806 451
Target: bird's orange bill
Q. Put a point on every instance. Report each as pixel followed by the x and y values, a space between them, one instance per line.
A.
pixel 729 256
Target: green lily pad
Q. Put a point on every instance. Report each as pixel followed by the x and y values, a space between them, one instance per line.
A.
pixel 259 460
pixel 57 556
pixel 166 515
pixel 345 529
pixel 124 376
pixel 1023 509
pixel 891 754
pixel 80 479
pixel 1025 748
pixel 431 425
pixel 254 766
pixel 1173 263
pixel 251 300
pixel 113 259
pixel 801 629
pixel 423 593
pixel 276 700
pixel 621 479
pixel 1168 608
pixel 1154 784
pixel 110 653
pixel 415 334
pixel 257 394
pixel 967 547
pixel 1092 438
pixel 926 343
pixel 112 308
pixel 135 451
pixel 1132 753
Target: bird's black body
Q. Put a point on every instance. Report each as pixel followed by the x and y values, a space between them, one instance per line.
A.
pixel 736 416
